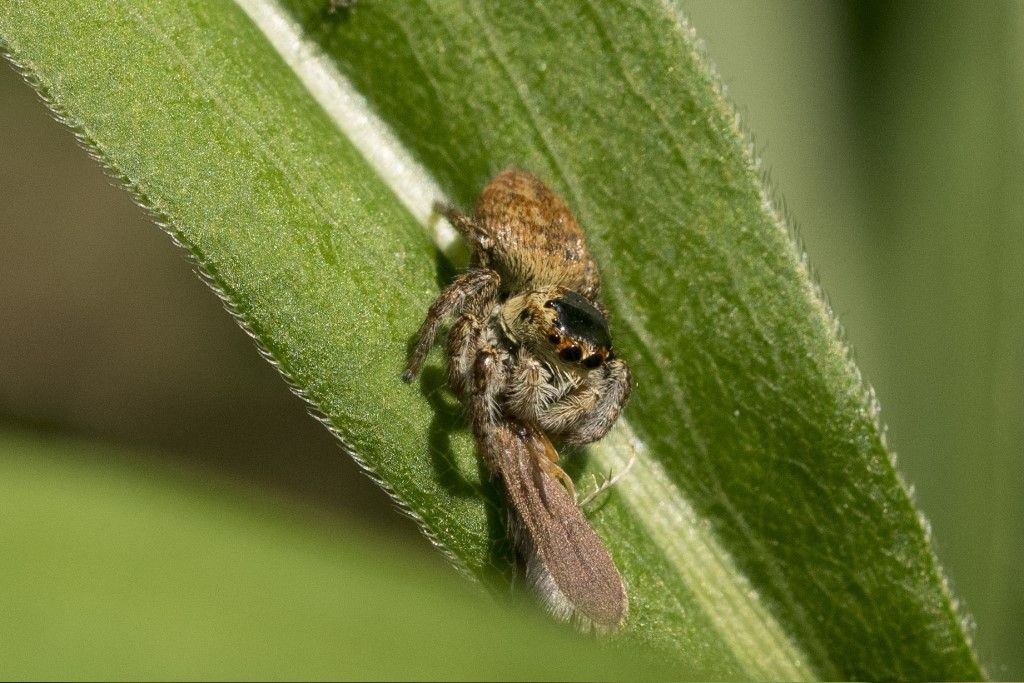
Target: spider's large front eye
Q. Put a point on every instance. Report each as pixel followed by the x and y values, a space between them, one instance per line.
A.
pixel 592 361
pixel 571 354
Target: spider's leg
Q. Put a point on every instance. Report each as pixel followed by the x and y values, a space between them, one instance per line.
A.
pixel 463 341
pixel 460 221
pixel 488 381
pixel 467 290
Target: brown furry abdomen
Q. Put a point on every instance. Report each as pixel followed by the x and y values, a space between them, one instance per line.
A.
pixel 531 237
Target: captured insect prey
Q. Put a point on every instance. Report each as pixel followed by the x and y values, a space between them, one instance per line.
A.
pixel 565 559
pixel 530 356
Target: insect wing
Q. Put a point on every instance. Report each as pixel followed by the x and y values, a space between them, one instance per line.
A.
pixel 565 559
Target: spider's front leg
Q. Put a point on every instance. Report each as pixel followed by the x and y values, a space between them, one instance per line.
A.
pixel 467 291
pixel 587 413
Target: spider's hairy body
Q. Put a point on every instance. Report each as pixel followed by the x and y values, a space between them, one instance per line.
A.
pixel 530 355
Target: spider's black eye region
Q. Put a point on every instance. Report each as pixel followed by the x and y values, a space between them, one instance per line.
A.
pixel 554 338
pixel 571 354
pixel 592 361
pixel 579 319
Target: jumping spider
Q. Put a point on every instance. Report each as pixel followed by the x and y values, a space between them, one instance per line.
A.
pixel 531 358
pixel 532 339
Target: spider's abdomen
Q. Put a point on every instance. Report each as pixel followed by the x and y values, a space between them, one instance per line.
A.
pixel 528 235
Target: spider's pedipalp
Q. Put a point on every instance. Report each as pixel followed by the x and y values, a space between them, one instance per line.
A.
pixel 587 416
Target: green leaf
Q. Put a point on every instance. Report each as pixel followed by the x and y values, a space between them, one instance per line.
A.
pixel 127 571
pixel 295 152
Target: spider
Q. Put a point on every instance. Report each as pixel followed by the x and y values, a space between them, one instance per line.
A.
pixel 532 339
pixel 529 355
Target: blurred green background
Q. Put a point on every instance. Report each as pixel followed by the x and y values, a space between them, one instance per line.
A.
pixel 893 131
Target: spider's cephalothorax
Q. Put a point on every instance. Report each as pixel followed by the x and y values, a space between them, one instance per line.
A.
pixel 559 325
pixel 531 345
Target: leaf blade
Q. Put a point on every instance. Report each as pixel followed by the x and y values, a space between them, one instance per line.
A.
pixel 718 271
